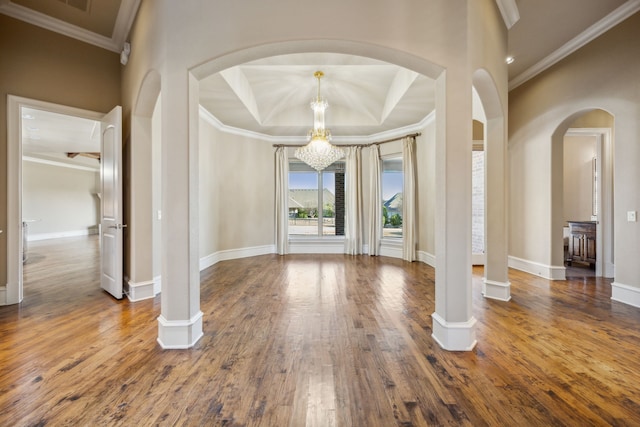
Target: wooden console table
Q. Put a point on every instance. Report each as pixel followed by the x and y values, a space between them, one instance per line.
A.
pixel 582 242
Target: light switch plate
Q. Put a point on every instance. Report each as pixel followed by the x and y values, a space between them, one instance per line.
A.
pixel 631 216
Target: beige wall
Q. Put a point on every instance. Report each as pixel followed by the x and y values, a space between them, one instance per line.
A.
pixel 426 187
pixel 61 199
pixel 601 75
pixel 237 191
pixel 38 64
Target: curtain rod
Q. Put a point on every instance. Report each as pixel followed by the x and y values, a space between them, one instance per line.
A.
pixel 357 145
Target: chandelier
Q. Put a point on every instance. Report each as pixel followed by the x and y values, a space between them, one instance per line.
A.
pixel 319 152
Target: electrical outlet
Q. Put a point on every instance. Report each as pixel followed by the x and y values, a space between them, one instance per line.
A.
pixel 631 216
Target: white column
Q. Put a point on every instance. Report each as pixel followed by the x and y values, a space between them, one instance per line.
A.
pixel 496 273
pixel 453 323
pixel 180 321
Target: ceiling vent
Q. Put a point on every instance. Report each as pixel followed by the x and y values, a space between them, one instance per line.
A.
pixel 82 5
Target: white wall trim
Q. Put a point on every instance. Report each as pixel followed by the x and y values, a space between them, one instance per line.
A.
pixel 157 285
pixel 141 290
pixel 602 26
pixel 478 259
pixel 391 248
pixel 179 334
pixel 426 258
pixel 496 290
pixel 417 127
pixel 214 258
pixel 454 336
pixel 123 24
pixel 625 294
pixel 550 272
pixel 33 237
pixel 509 11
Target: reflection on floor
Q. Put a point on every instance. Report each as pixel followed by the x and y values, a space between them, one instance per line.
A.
pixel 576 270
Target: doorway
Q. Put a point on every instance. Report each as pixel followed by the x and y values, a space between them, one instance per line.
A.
pixel 60 192
pixel 587 204
pixel 46 149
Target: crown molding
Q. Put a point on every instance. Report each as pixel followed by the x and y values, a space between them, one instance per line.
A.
pixel 509 11
pixel 597 29
pixel 368 139
pixel 124 21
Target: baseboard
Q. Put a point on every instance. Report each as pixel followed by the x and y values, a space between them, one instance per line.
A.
pixel 625 294
pixel 454 336
pixel 609 270
pixel 426 258
pixel 391 248
pixel 179 334
pixel 477 259
pixel 141 290
pixel 317 246
pixel 31 237
pixel 216 257
pixel 157 285
pixel 3 295
pixel 496 290
pixel 549 272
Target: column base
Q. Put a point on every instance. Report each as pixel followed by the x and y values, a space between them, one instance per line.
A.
pixel 496 290
pixel 454 336
pixel 179 334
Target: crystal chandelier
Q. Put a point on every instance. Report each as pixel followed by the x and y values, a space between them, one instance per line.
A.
pixel 319 152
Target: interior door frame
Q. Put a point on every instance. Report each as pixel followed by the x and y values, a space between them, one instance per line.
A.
pixel 13 293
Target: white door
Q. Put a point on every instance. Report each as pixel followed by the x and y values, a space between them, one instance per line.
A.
pixel 111 227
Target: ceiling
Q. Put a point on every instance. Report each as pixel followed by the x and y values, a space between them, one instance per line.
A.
pixel 271 97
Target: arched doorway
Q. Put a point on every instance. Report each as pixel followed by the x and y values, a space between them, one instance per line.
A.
pixel 582 193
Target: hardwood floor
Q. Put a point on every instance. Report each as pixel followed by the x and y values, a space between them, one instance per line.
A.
pixel 308 340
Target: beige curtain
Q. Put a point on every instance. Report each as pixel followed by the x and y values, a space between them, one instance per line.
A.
pixel 353 201
pixel 282 201
pixel 409 199
pixel 375 201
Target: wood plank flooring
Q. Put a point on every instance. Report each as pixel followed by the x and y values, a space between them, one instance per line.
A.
pixel 308 340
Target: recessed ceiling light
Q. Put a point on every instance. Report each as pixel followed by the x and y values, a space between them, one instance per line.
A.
pixel 510 59
pixel 28 117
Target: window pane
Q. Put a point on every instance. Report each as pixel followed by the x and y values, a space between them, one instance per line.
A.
pixel 303 203
pixel 316 200
pixel 392 178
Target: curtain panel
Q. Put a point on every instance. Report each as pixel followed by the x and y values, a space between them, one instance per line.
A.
pixel 375 201
pixel 409 223
pixel 282 199
pixel 354 230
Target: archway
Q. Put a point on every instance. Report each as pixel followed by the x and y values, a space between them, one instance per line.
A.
pixel 496 281
pixel 597 126
pixel 454 326
pixel 144 183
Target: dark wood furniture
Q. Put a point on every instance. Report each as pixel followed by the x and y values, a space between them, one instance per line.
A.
pixel 582 242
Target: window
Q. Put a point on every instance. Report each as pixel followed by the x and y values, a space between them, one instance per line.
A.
pixel 316 200
pixel 392 179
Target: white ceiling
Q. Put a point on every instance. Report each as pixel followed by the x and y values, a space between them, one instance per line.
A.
pixel 272 96
pixel 47 135
pixel 366 97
